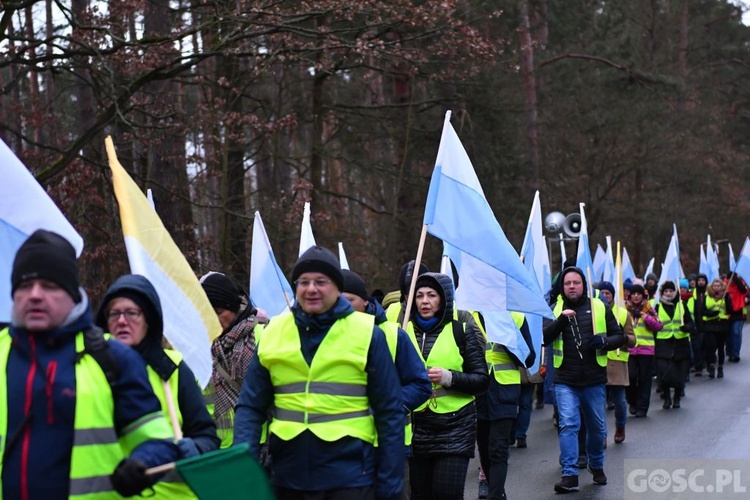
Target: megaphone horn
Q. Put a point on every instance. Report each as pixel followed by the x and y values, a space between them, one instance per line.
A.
pixel 553 223
pixel 572 225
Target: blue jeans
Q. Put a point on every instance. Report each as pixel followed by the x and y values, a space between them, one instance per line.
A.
pixel 734 342
pixel 617 393
pixel 571 400
pixel 522 421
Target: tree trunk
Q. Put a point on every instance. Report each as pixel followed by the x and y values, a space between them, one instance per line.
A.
pixel 530 98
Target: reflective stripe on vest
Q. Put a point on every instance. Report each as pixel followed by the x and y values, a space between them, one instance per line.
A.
pixel 599 313
pixel 171 485
pixel 621 354
pixel 715 306
pixel 643 336
pixel 671 325
pixel 224 423
pixel 391 336
pixel 445 354
pixel 313 397
pixel 499 362
pixel 96 447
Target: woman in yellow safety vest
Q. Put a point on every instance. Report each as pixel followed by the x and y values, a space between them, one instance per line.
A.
pixel 444 427
pixel 131 312
pixel 716 327
pixel 672 344
pixel 641 361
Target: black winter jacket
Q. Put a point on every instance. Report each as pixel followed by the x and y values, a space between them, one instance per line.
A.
pixel 451 433
pixel 581 370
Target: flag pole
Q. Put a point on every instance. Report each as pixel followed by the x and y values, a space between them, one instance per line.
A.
pixel 171 410
pixel 160 469
pixel 591 298
pixel 414 276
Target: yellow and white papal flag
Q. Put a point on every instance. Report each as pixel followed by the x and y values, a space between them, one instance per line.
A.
pixel 190 323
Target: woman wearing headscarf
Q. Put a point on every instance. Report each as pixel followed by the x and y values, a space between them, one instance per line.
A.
pixel 444 427
pixel 641 361
pixel 231 351
pixel 715 326
pixel 131 312
pixel 672 348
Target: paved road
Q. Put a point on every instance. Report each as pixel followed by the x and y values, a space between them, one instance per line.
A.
pixel 713 423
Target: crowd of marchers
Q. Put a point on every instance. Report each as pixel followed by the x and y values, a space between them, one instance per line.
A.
pixel 348 394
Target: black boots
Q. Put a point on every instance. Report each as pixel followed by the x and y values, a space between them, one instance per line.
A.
pixel 567 484
pixel 667 399
pixel 720 371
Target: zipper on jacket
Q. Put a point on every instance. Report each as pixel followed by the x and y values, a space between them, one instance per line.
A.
pixel 26 444
pixel 50 384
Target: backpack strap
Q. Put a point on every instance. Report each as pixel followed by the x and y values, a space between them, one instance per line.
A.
pixel 95 344
pixel 459 335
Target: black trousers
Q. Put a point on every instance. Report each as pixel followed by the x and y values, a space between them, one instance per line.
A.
pixel 696 343
pixel 493 441
pixel 439 477
pixel 640 369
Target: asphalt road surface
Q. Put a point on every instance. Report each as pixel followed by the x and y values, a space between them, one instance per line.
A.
pixel 713 423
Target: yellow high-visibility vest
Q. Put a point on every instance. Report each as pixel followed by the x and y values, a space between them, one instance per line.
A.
pixel 97 449
pixel 600 328
pixel 329 396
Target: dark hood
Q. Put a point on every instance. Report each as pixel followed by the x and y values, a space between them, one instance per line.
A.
pixel 140 290
pixel 443 284
pixel 579 272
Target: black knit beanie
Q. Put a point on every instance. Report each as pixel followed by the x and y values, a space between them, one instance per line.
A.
pixel 668 285
pixel 319 260
pixel 606 285
pixel 221 291
pixel 354 284
pixel 637 289
pixel 406 273
pixel 49 256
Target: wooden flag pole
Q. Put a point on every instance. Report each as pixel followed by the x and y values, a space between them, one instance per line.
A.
pixel 414 276
pixel 171 410
pixel 159 469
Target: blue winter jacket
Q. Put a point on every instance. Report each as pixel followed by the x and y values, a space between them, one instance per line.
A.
pixel 416 387
pixel 47 361
pixel 197 423
pixel 307 463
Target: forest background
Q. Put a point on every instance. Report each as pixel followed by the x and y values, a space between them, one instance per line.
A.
pixel 640 109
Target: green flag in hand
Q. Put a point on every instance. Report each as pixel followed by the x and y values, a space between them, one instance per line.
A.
pixel 226 474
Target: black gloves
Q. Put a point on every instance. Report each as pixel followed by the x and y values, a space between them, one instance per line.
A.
pixel 636 314
pixel 129 478
pixel 597 342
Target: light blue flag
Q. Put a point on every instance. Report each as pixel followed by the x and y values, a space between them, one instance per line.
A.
pixel 732 260
pixel 583 257
pixel 742 267
pixel 671 269
pixel 536 260
pixel 703 265
pixel 306 237
pixel 627 267
pixel 492 277
pixel 342 257
pixel 712 261
pixel 600 258
pixel 649 268
pixel 609 264
pixel 269 289
pixel 24 208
